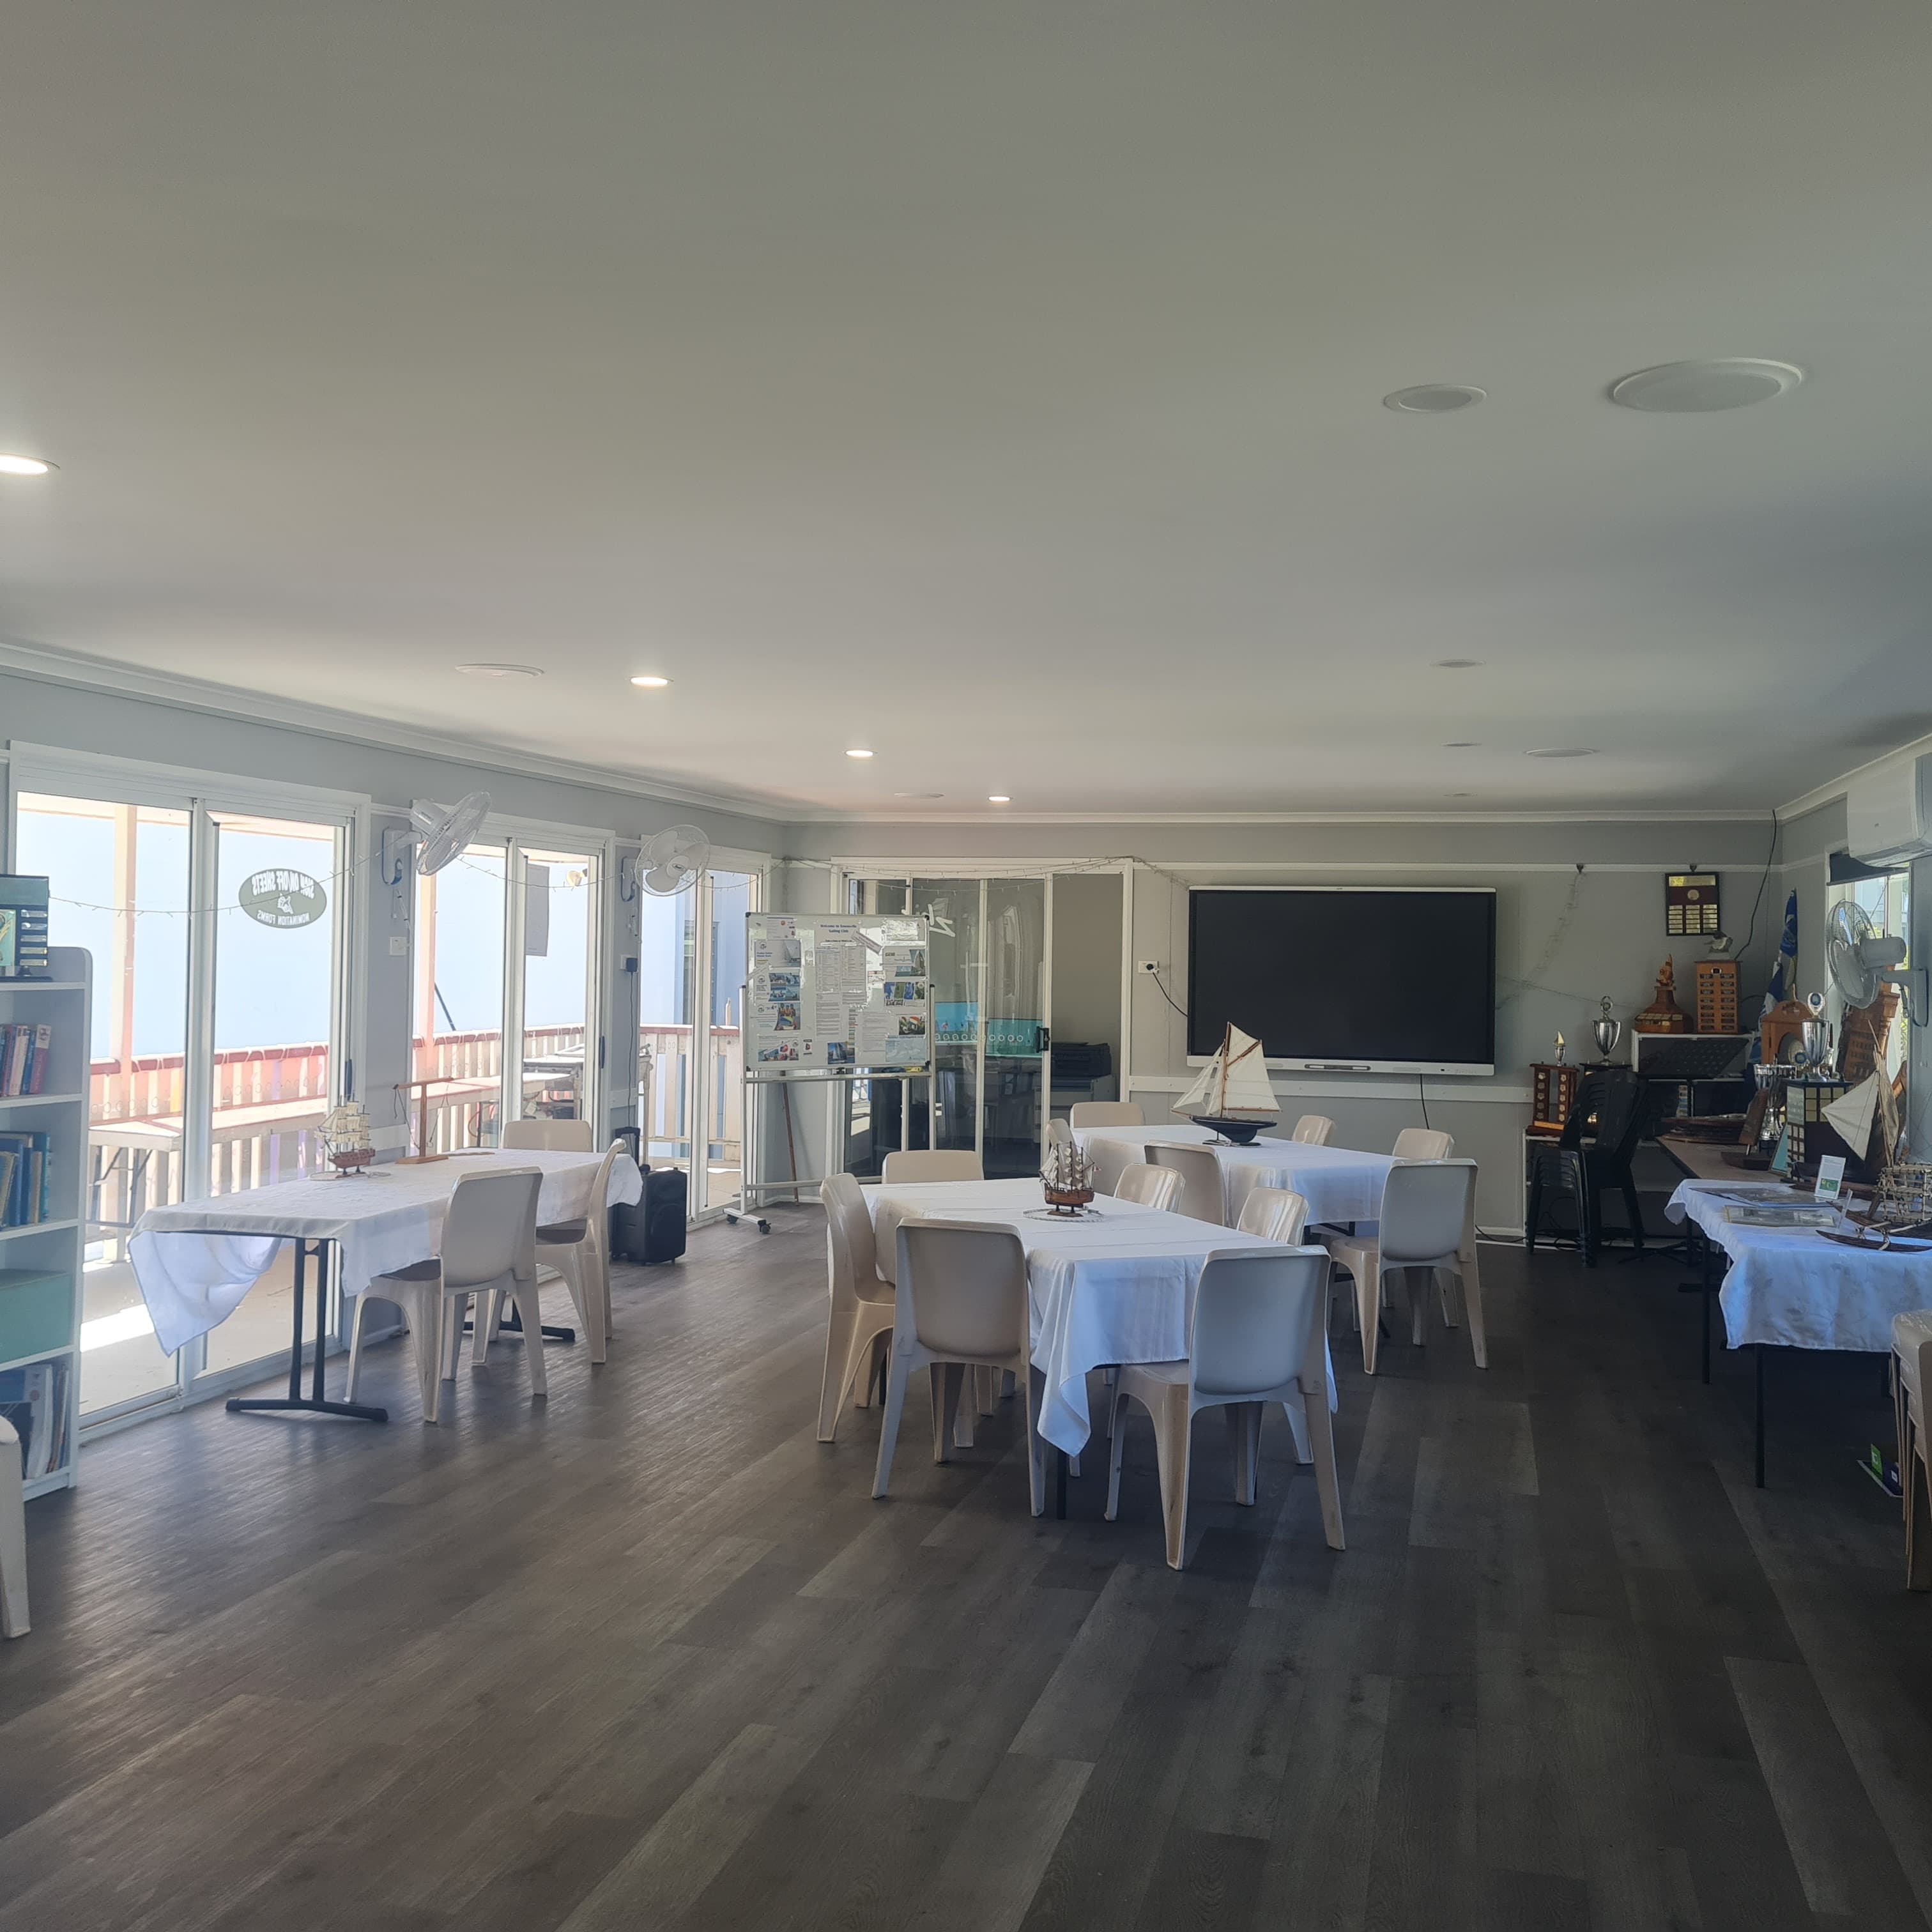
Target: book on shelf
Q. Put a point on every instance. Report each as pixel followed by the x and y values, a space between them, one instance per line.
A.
pixel 26 1160
pixel 34 1400
pixel 24 1049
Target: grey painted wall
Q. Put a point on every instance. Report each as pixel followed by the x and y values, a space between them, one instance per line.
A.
pixel 1087 958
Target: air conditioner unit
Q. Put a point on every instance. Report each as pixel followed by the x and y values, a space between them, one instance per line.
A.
pixel 1888 811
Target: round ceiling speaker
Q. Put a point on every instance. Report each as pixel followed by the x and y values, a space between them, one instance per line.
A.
pixel 1433 399
pixel 1695 389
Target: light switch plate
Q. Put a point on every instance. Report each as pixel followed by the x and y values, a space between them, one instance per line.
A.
pixel 399 945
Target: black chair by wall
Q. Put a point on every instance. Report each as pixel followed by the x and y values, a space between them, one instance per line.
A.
pixel 1598 1142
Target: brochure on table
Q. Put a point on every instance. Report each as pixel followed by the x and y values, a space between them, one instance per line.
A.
pixel 836 994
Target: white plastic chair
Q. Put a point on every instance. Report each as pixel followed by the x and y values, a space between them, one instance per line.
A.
pixel 1203 1195
pixel 1911 1368
pixel 540 1131
pixel 579 1250
pixel 1152 1187
pixel 1059 1134
pixel 1313 1130
pixel 914 1164
pixel 1275 1214
pixel 860 1314
pixel 489 1244
pixel 1257 1336
pixel 1424 1143
pixel 1427 1227
pixel 960 1302
pixel 13 1536
pixel 1105 1114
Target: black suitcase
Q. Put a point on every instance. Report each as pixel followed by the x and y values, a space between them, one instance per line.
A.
pixel 652 1229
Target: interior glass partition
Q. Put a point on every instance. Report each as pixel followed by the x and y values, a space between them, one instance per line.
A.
pixel 557 1060
pixel 1015 1081
pixel 457 1080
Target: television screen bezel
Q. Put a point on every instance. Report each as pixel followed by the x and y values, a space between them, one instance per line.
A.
pixel 1454 1069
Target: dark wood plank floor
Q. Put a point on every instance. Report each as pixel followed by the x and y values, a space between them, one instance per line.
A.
pixel 648 1656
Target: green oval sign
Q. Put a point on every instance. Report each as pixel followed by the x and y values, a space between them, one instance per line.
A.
pixel 281 897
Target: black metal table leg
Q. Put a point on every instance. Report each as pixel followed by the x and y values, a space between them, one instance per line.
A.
pixel 1060 1484
pixel 314 1403
pixel 1705 1296
pixel 1759 1351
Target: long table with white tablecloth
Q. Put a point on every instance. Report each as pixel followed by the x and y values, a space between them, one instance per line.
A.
pixel 1339 1184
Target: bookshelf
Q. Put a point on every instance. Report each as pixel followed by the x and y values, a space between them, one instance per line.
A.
pixel 40 1278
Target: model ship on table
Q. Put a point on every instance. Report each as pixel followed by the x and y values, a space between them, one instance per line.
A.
pixel 1233 1096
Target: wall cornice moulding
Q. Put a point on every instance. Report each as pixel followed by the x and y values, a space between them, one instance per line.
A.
pixel 80 673
pixel 1702 815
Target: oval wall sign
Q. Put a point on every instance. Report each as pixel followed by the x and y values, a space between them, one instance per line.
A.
pixel 282 897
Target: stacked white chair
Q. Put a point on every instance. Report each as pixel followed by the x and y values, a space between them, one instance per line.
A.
pixel 13 1536
pixel 908 1165
pixel 1203 1195
pixel 860 1315
pixel 1313 1130
pixel 1151 1186
pixel 1105 1114
pixel 1257 1336
pixel 489 1246
pixel 1427 1229
pixel 1911 1371
pixel 961 1302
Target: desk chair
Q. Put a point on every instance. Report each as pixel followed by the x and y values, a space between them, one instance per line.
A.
pixel 1257 1336
pixel 489 1246
pixel 917 1164
pixel 1151 1186
pixel 580 1251
pixel 1204 1197
pixel 1105 1114
pixel 13 1536
pixel 1424 1143
pixel 1313 1130
pixel 1275 1214
pixel 859 1318
pixel 1583 1162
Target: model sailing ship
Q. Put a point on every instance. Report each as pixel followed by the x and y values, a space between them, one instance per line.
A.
pixel 346 1139
pixel 1232 1096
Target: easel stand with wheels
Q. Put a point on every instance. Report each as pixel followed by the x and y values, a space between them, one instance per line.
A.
pixel 755 1192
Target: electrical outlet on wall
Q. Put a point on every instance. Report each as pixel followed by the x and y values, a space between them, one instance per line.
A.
pixel 1151 966
pixel 399 945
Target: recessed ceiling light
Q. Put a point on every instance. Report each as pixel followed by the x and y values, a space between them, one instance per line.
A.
pixel 1695 389
pixel 919 794
pixel 23 465
pixel 1459 663
pixel 1434 399
pixel 998 798
pixel 1563 751
pixel 500 670
pixel 650 682
pixel 856 753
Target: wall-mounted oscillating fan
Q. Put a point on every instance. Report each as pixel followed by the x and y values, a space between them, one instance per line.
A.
pixel 1860 960
pixel 438 832
pixel 673 859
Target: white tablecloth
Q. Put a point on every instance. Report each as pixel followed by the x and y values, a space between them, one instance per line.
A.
pixel 1117 1289
pixel 1338 1183
pixel 194 1263
pixel 1790 1286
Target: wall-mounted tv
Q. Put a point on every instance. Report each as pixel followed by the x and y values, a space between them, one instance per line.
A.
pixel 1346 978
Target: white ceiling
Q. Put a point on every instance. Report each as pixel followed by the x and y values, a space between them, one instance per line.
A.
pixel 997 386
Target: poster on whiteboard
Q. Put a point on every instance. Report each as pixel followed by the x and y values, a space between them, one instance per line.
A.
pixel 836 992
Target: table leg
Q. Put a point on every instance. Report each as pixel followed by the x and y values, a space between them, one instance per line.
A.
pixel 1759 1351
pixel 1060 1484
pixel 1705 1296
pixel 313 1404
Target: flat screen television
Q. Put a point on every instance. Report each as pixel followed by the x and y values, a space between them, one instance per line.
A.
pixel 1346 978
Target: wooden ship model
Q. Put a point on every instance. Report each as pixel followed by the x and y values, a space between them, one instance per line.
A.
pixel 1233 1096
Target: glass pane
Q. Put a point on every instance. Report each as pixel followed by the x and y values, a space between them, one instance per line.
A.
pixel 119 888
pixel 733 896
pixel 274 1008
pixel 559 902
pixel 873 1127
pixel 458 1044
pixel 946 1108
pixel 667 975
pixel 1015 1006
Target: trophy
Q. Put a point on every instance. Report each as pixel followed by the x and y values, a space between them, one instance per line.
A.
pixel 1607 1031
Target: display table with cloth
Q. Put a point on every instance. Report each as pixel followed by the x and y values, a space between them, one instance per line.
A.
pixel 195 1262
pixel 1118 1288
pixel 1339 1184
pixel 1790 1288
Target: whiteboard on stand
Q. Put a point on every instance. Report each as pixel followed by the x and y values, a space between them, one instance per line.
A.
pixel 836 993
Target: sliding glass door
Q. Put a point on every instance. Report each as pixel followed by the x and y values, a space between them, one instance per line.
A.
pixel 218 935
